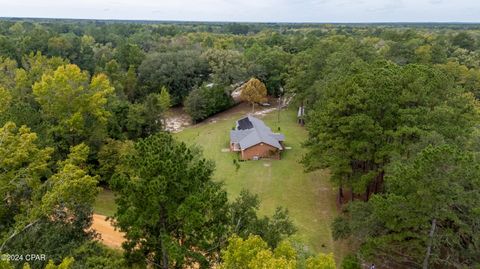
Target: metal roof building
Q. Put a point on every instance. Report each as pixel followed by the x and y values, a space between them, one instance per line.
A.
pixel 250 132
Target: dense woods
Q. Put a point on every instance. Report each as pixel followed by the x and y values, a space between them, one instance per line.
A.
pixel 392 113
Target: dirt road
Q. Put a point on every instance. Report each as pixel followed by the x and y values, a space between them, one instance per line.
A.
pixel 109 236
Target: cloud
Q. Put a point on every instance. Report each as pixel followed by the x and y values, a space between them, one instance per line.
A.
pixel 250 10
pixel 388 7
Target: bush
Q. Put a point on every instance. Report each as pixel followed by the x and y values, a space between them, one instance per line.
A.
pixel 351 262
pixel 206 101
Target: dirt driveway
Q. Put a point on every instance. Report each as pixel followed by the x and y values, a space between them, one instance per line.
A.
pixel 109 236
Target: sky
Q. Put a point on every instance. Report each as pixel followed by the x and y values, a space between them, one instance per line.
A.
pixel 250 10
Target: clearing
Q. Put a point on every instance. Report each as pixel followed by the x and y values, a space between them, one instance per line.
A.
pixel 309 197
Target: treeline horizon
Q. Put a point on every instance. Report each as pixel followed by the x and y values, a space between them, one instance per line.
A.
pixel 272 24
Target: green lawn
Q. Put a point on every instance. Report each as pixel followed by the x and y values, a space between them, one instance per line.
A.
pixel 309 197
pixel 105 203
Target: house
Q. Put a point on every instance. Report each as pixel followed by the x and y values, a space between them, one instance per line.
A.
pixel 255 140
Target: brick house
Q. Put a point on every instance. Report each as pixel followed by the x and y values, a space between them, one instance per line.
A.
pixel 255 140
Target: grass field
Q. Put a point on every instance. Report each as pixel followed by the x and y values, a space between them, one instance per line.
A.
pixel 309 197
pixel 105 203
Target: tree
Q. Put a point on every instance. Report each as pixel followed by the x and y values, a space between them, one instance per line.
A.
pixel 164 99
pixel 322 57
pixel 464 77
pixel 269 65
pixel 227 66
pixel 130 83
pixel 65 264
pixel 5 99
pixel 42 208
pixel 129 55
pixel 254 253
pixel 207 100
pixel 111 155
pixel 426 218
pixel 253 92
pixel 75 105
pixel 244 220
pixel 178 71
pixel 22 164
pixel 464 40
pixel 172 212
pixel 36 65
pixel 196 105
pixel 144 119
pixel 95 255
pixel 365 117
pixel 424 54
pixel 8 72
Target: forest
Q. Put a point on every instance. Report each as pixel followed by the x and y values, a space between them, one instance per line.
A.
pixel 392 115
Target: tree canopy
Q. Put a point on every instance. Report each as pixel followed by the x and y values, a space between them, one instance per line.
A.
pixel 254 91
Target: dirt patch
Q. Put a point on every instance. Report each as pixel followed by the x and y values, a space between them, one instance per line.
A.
pixel 109 236
pixel 226 150
pixel 176 120
pixel 241 109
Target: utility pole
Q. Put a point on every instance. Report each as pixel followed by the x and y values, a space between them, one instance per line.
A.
pixel 279 107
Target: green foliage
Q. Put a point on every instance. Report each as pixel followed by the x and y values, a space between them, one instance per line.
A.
pixel 464 40
pixel 227 66
pixel 269 65
pixel 370 114
pixel 94 255
pixel 130 83
pixel 164 99
pixel 22 164
pixel 351 262
pixel 74 105
pixel 65 264
pixel 5 99
pixel 111 155
pixel 253 92
pixel 42 211
pixel 321 261
pixel 71 186
pixel 437 190
pixel 139 119
pixel 129 55
pixel 178 71
pixel 244 220
pixel 254 253
pixel 167 199
pixel 206 101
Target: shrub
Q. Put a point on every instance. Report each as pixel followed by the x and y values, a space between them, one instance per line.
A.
pixel 206 101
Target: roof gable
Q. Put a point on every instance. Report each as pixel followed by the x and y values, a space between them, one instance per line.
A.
pixel 251 131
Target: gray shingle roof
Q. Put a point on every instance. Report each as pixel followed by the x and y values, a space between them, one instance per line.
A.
pixel 251 131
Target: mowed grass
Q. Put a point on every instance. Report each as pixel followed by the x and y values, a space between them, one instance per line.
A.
pixel 309 197
pixel 105 203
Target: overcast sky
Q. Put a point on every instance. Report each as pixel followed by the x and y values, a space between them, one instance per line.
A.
pixel 250 10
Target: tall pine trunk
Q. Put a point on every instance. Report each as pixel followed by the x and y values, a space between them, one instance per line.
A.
pixel 429 244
